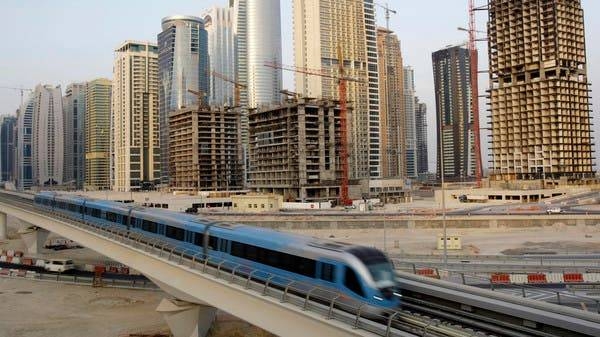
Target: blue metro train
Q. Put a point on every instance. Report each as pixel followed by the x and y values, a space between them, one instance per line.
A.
pixel 361 273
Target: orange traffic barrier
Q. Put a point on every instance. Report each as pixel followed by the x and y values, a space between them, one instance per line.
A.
pixel 536 278
pixel 428 272
pixel 573 277
pixel 500 278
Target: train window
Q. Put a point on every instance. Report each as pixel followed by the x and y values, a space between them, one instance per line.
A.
pixel 237 249
pixel 73 208
pixel 133 222
pixel 305 266
pixel 251 252
pixel 96 213
pixel 149 226
pixel 351 282
pixel 212 242
pixel 223 245
pixel 112 217
pixel 327 271
pixel 124 220
pixel 199 239
pixel 175 233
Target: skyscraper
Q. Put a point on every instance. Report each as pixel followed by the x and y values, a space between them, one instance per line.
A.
pixel 421 135
pixel 218 22
pixel 263 43
pixel 40 139
pixel 409 122
pixel 74 119
pixel 182 66
pixel 135 146
pixel 241 55
pixel 452 80
pixel 539 92
pixel 24 152
pixel 7 145
pixel 321 27
pixel 391 105
pixel 97 134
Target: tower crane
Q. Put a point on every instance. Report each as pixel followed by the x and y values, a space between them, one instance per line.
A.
pixel 236 85
pixel 342 88
pixel 22 90
pixel 474 90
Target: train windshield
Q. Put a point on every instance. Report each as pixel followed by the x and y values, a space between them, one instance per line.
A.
pixel 378 265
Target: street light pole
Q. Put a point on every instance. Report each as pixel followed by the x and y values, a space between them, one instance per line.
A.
pixel 441 156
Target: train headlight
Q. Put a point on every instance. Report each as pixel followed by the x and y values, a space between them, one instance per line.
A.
pixel 377 298
pixel 397 295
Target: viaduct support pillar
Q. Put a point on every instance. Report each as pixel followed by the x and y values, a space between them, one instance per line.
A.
pixel 3 227
pixel 187 319
pixel 34 238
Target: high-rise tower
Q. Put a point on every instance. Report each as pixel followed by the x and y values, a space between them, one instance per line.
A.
pixel 539 92
pixel 452 79
pixel 321 27
pixel 218 22
pixel 74 119
pixel 135 146
pixel 7 146
pixel 182 65
pixel 391 105
pixel 421 135
pixel 409 122
pixel 263 43
pixel 97 134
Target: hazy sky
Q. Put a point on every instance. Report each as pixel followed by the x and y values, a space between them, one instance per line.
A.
pixel 65 41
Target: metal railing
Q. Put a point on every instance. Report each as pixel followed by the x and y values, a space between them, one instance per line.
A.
pixel 305 296
pixel 522 290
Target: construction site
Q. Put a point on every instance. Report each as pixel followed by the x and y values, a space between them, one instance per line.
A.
pixel 295 150
pixel 539 91
pixel 205 149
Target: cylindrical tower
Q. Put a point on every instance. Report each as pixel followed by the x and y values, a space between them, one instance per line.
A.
pixel 264 45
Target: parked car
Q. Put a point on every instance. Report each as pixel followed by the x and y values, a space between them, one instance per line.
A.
pixel 59 265
pixel 554 210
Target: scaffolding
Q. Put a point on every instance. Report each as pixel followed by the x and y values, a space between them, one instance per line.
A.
pixel 295 150
pixel 540 104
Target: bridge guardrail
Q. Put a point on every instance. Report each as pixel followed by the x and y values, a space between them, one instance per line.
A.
pixel 316 299
pixel 480 281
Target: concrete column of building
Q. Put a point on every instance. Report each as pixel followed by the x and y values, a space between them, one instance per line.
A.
pixel 187 319
pixel 302 174
pixel 34 238
pixel 3 227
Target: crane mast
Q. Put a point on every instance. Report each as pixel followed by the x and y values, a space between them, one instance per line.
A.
pixel 342 92
pixel 473 62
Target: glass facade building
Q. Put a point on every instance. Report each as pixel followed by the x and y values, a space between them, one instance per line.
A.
pixel 7 147
pixel 183 65
pixel 74 118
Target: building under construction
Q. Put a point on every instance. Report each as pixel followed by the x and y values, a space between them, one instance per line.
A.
pixel 205 149
pixel 294 150
pixel 540 106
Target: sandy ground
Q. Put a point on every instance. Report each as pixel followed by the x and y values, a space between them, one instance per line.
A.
pixel 560 238
pixel 32 309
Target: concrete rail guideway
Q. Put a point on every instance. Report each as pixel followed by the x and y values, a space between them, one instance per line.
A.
pixel 200 286
pixel 197 294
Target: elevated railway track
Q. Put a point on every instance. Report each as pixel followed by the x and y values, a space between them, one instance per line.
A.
pixel 431 308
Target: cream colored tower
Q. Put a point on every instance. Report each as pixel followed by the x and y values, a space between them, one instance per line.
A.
pixel 320 27
pixel 391 72
pixel 97 134
pixel 135 148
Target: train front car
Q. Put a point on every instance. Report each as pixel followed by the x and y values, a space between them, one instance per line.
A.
pixel 380 286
